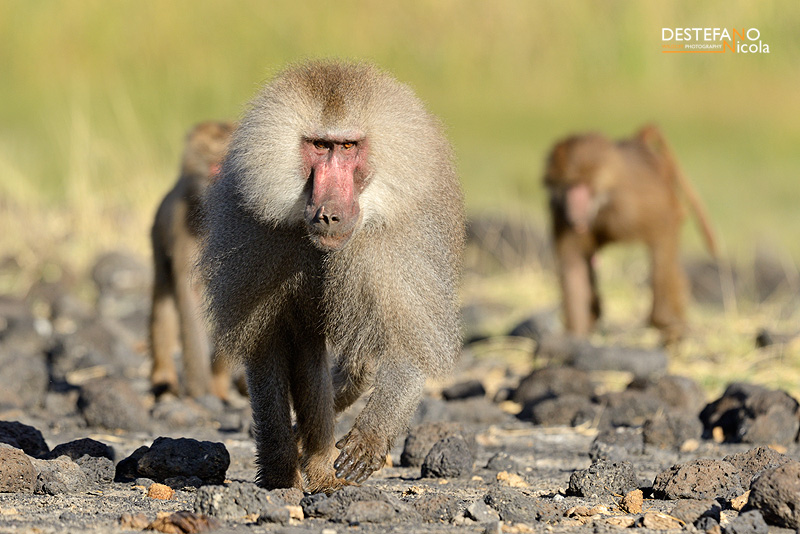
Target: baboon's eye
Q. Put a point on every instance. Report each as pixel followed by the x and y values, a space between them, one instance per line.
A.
pixel 321 145
pixel 347 145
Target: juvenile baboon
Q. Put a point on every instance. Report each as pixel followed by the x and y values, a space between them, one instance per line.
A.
pixel 177 305
pixel 603 191
pixel 335 232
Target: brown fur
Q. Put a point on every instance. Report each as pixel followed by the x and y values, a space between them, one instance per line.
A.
pixel 603 192
pixel 289 298
pixel 177 304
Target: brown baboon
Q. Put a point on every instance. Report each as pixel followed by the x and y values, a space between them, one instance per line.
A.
pixel 601 192
pixel 177 305
pixel 335 232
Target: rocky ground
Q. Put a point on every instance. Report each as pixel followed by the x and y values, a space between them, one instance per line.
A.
pixel 85 447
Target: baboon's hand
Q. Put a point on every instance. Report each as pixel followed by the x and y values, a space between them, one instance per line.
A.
pixel 360 456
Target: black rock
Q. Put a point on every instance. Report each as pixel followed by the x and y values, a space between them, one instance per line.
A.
pixel 448 458
pixel 776 494
pixel 749 522
pixel 706 523
pixel 516 506
pixel 672 429
pixel 128 468
pixel 98 470
pixel 755 461
pixel 502 462
pixel 551 382
pixel 184 457
pixel 421 438
pixel 680 393
pixel 698 479
pixel 617 444
pixel 464 390
pixel 565 410
pixel 437 507
pixel 240 499
pixel 690 510
pixel 169 457
pixel 339 506
pixel 24 380
pixel 725 411
pixel 603 479
pixel 81 447
pixel 58 476
pixel 480 512
pixel 24 437
pixel 629 408
pixel 112 403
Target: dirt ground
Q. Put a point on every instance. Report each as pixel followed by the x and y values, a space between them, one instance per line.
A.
pixel 512 459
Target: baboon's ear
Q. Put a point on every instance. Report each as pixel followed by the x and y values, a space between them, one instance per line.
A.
pixel 651 137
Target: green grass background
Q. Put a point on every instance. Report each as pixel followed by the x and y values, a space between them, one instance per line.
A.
pixel 96 96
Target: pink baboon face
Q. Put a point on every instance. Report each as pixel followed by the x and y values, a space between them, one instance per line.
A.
pixel 335 167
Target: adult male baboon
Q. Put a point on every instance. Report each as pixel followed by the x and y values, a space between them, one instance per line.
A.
pixel 177 305
pixel 336 232
pixel 601 192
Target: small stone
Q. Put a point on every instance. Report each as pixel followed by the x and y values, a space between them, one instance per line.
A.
pixel 369 512
pixel 750 522
pixel 479 511
pixel 698 479
pixel 448 458
pixel 274 514
pixel 518 506
pixel 17 473
pixel 295 512
pixel 160 491
pixel 603 478
pixel 437 507
pixel 737 503
pixel 137 521
pixel 690 510
pixel 240 499
pixel 502 462
pixel 619 521
pixel 632 502
pixel 706 524
pixel 184 522
pixel 512 480
pixel 659 521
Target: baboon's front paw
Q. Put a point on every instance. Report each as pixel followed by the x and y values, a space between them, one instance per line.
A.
pixel 163 383
pixel 360 456
pixel 325 484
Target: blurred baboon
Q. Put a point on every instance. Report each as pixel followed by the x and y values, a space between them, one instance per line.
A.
pixel 335 232
pixel 177 304
pixel 603 191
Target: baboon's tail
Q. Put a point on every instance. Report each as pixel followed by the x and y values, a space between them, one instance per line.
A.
pixel 652 137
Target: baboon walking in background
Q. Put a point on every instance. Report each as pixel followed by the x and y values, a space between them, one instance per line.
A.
pixel 177 303
pixel 603 191
pixel 335 233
